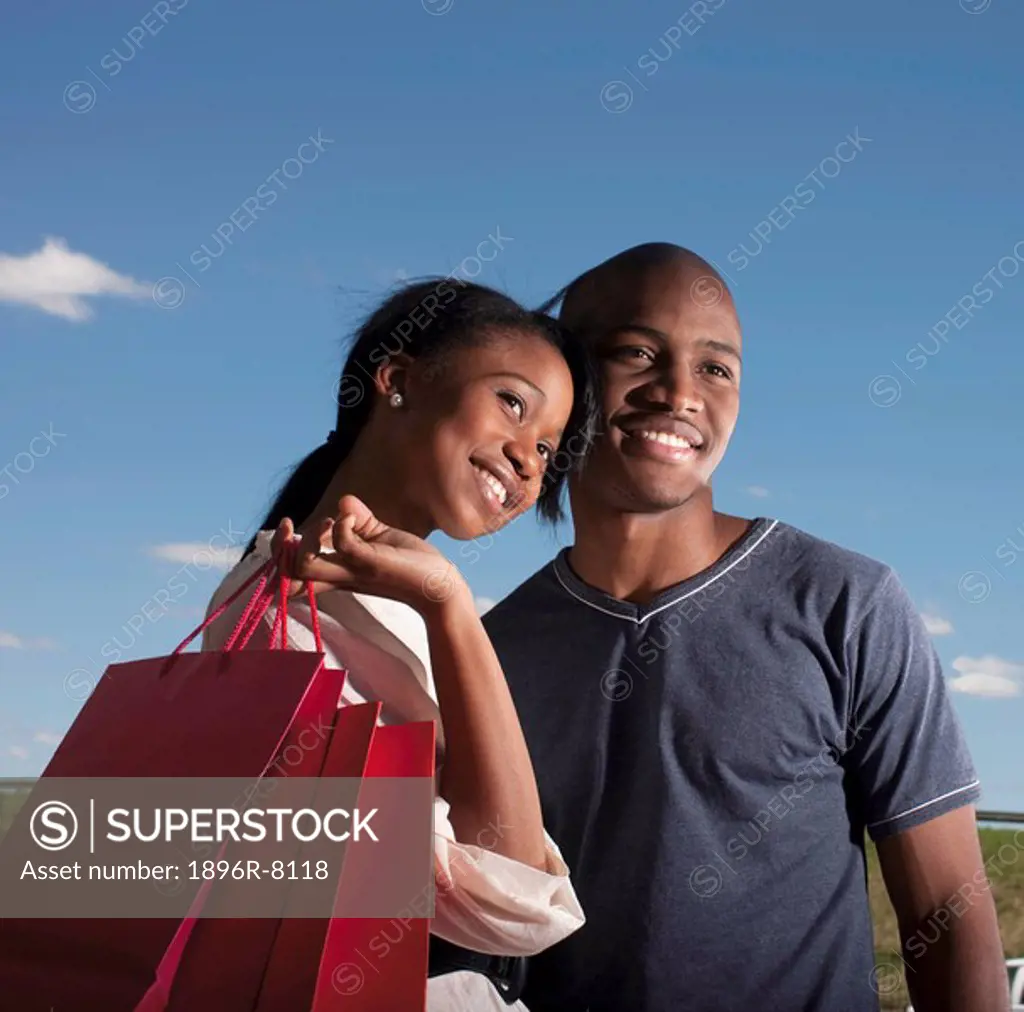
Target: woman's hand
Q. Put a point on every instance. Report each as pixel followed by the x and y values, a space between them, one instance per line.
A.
pixel 370 557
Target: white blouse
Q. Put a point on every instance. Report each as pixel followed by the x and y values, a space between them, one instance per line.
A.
pixel 483 901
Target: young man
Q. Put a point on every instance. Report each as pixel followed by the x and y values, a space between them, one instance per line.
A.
pixel 719 708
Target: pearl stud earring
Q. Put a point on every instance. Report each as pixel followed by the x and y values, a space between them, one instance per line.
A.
pixel 396 400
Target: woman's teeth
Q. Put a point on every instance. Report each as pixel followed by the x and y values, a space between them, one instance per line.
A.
pixel 499 490
pixel 665 438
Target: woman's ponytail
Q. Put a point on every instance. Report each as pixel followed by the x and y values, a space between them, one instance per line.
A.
pixel 308 482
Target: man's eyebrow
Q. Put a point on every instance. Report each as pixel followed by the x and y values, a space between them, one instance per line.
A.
pixel 725 347
pixel 637 328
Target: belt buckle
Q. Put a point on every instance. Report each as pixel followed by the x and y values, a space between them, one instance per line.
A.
pixel 509 977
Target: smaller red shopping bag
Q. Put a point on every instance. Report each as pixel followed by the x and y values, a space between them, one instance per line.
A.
pixel 342 965
pixel 289 981
pixel 222 714
pixel 380 964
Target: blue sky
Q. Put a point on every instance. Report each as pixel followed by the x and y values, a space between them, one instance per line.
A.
pixel 854 169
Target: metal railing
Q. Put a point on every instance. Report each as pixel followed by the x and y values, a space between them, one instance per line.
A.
pixel 1000 817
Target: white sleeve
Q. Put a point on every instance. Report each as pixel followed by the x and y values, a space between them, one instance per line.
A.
pixel 493 904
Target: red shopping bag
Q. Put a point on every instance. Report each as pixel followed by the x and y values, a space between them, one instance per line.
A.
pixel 335 966
pixel 162 717
pixel 354 976
pixel 290 978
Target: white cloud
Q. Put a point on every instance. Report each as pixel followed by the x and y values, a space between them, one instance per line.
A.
pixel 937 626
pixel 17 643
pixel 17 751
pixel 55 280
pixel 979 684
pixel 757 491
pixel 484 604
pixel 46 738
pixel 198 553
pixel 988 676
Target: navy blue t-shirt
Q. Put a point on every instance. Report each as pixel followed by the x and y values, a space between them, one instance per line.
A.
pixel 708 764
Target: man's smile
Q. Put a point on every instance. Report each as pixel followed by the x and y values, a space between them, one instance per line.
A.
pixel 671 440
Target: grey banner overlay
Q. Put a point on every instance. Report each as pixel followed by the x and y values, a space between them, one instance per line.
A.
pixel 280 847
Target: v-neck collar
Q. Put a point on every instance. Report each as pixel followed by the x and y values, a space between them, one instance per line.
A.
pixel 638 614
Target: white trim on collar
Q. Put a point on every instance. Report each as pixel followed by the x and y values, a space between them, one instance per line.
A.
pixel 640 619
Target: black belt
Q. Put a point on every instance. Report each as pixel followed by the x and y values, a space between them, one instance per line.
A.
pixel 506 973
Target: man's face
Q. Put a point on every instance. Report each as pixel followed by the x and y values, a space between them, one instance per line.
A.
pixel 667 347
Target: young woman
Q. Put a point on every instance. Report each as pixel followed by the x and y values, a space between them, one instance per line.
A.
pixel 458 410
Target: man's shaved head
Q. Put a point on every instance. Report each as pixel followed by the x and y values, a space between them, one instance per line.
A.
pixel 617 282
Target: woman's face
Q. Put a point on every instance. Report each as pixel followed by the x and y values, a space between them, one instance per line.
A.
pixel 483 424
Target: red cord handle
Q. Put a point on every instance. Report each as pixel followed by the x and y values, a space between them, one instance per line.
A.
pixel 248 624
pixel 260 574
pixel 291 550
pixel 259 603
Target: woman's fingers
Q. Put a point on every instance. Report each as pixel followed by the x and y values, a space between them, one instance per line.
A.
pixel 325 569
pixel 352 546
pixel 284 559
pixel 342 531
pixel 284 533
pixel 298 557
pixel 364 522
pixel 352 505
pixel 302 557
pixel 312 546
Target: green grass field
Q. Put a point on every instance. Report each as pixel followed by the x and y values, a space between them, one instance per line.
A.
pixel 1004 860
pixel 9 805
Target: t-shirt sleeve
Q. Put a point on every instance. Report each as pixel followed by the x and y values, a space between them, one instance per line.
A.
pixel 909 761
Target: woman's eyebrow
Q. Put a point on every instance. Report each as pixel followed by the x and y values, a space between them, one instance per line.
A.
pixel 519 376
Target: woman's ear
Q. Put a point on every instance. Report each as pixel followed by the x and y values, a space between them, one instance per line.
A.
pixel 391 375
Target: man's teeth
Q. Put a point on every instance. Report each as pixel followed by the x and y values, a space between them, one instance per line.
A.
pixel 665 438
pixel 499 490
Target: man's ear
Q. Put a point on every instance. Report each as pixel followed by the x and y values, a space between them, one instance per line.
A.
pixel 391 375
